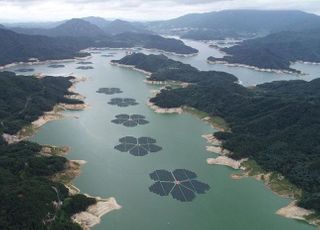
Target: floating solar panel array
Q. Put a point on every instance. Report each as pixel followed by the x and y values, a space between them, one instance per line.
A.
pixel 138 146
pixel 181 184
pixel 122 102
pixel 84 63
pixel 109 91
pixel 107 55
pixel 24 70
pixel 56 66
pixel 85 67
pixel 130 120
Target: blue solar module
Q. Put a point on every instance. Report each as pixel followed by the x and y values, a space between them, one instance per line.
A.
pixel 180 183
pixel 138 146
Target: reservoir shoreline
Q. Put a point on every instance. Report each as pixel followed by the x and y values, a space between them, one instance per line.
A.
pixel 72 168
pixel 291 211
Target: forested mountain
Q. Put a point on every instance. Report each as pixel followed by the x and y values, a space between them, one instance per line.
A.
pixel 71 28
pixel 24 99
pixel 213 25
pixel 76 28
pixel 16 47
pixel 93 27
pixel 275 124
pixel 275 51
pixel 98 21
pixel 151 41
pixel 29 199
pixel 121 26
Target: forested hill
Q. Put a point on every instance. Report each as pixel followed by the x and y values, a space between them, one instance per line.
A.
pixel 276 124
pixel 29 199
pixel 15 47
pixel 24 99
pixel 165 69
pixel 275 51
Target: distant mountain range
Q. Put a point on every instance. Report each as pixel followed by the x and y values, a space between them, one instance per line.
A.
pixel 276 51
pixel 216 25
pixel 85 27
pixel 67 39
pixel 117 26
pixel 16 47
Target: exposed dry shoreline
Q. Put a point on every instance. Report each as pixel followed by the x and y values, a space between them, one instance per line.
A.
pixel 157 109
pixel 93 214
pixel 292 211
pixel 216 147
pixel 53 115
pixel 36 61
pixel 131 67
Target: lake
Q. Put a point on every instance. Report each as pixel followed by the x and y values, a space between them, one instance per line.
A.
pixel 228 205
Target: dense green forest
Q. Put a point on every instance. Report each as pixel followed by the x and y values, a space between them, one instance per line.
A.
pixel 24 99
pixel 164 69
pixel 277 124
pixel 29 199
pixel 275 51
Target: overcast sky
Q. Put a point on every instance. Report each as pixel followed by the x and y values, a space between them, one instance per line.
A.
pixel 53 10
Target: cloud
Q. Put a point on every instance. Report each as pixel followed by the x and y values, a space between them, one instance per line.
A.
pixel 53 10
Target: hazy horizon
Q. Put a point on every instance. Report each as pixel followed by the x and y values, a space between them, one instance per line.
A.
pixel 13 11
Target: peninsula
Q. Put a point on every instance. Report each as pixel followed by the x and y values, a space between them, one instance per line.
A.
pixel 265 121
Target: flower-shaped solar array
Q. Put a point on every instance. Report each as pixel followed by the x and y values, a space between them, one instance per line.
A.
pixel 85 67
pixel 109 91
pixel 84 63
pixel 122 102
pixel 138 146
pixel 56 66
pixel 130 120
pixel 181 184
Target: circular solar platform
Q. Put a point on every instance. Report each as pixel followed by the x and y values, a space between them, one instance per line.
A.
pixel 123 102
pixel 56 66
pixel 138 146
pixel 84 63
pixel 109 91
pixel 130 120
pixel 181 184
pixel 85 67
pixel 24 70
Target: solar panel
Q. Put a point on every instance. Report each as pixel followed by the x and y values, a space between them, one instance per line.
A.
pixel 109 91
pixel 138 146
pixel 130 120
pixel 181 184
pixel 122 102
